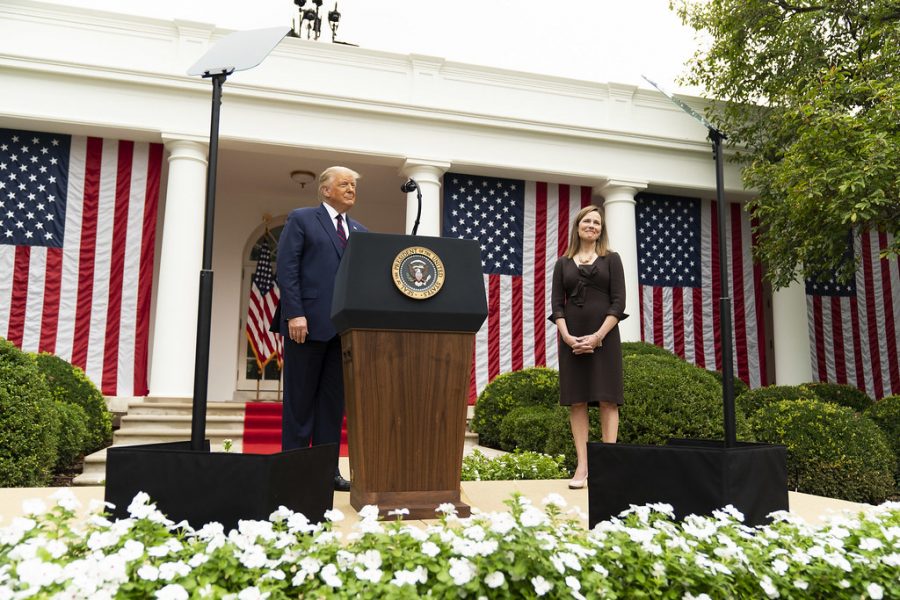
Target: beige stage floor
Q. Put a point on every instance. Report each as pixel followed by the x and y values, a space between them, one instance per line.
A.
pixel 487 496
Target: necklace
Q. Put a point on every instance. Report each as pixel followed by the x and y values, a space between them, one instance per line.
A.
pixel 585 259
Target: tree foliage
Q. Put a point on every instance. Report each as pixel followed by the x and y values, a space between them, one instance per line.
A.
pixel 809 94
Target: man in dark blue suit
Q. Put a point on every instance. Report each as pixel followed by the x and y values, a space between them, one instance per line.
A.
pixel 309 252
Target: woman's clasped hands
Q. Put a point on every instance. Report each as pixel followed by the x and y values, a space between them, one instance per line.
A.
pixel 584 344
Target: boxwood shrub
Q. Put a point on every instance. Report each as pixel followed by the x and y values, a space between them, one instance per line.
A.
pixel 739 386
pixel 72 435
pixel 842 394
pixel 886 415
pixel 68 383
pixel 632 348
pixel 753 400
pixel 536 386
pixel 672 399
pixel 28 421
pixel 832 451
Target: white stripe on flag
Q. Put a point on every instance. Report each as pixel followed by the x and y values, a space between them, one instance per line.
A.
pixel 7 263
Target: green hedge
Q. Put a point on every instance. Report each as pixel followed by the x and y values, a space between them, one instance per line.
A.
pixel 739 386
pixel 634 348
pixel 28 421
pixel 536 386
pixel 832 451
pixel 73 433
pixel 753 400
pixel 69 384
pixel 844 395
pixel 517 465
pixel 886 415
pixel 672 399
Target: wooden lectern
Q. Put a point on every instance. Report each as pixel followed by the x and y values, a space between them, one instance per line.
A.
pixel 407 308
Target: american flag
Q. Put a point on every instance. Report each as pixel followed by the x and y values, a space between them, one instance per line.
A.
pixel 523 227
pixel 77 235
pixel 853 328
pixel 679 283
pixel 261 308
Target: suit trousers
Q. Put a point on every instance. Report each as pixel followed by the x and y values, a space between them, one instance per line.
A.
pixel 313 407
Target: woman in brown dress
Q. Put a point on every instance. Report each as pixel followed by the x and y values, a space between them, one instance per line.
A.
pixel 588 301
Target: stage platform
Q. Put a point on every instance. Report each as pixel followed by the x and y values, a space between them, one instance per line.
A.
pixel 486 496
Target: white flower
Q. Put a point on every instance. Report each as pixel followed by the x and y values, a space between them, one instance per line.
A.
pixel 779 566
pixel 573 583
pixel 256 529
pixel 139 507
pixel 640 536
pixel 476 532
pixel 532 517
pixel 601 569
pixel 102 539
pixel 417 575
pixel 876 592
pixel 34 507
pixel 66 499
pixel 252 593
pixel 541 585
pixel 57 549
pixel 335 516
pixel 502 523
pixel 298 523
pixel 843 583
pixel 430 549
pixel 398 512
pixel 461 570
pixel 36 573
pixel 729 511
pixel 148 573
pixel 329 573
pixel 210 530
pixel 253 558
pixel 198 559
pixel 870 544
pixel 372 574
pixel 169 570
pixel 131 550
pixel 173 591
pixel 447 508
pixel 281 514
pixel 369 511
pixel 554 499
pixel 769 587
pixel 690 596
pixel 370 559
pixel 495 580
pixel 891 560
pixel 800 584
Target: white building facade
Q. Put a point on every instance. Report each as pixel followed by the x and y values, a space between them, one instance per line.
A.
pixel 312 105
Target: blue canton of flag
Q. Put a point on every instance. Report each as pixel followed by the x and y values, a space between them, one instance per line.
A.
pixel 33 183
pixel 669 241
pixel 490 210
pixel 829 286
pixel 263 276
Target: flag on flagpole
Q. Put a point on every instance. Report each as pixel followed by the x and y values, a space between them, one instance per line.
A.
pixel 679 283
pixel 853 328
pixel 523 227
pixel 261 308
pixel 77 236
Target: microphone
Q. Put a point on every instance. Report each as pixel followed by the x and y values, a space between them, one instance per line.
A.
pixel 408 187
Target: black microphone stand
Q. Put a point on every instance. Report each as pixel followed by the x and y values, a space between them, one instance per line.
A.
pixel 408 187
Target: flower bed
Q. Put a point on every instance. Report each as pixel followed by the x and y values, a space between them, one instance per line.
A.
pixel 526 552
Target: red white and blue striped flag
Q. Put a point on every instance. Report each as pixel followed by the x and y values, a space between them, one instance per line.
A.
pixel 77 235
pixel 523 227
pixel 853 328
pixel 265 344
pixel 678 273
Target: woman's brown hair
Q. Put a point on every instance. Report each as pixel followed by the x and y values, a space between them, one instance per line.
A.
pixel 602 244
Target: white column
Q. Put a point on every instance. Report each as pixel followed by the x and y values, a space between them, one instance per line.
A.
pixel 791 335
pixel 181 256
pixel 427 174
pixel 619 208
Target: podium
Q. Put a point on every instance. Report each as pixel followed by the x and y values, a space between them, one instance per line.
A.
pixel 407 309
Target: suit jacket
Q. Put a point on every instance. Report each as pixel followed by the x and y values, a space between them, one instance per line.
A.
pixel 309 253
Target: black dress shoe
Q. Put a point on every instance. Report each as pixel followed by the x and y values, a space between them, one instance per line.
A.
pixel 341 484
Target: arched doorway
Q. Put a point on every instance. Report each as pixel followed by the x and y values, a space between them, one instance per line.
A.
pixel 251 376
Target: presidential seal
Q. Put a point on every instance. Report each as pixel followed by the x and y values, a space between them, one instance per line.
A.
pixel 418 272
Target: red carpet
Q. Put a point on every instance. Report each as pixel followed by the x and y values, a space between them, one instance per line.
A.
pixel 262 429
